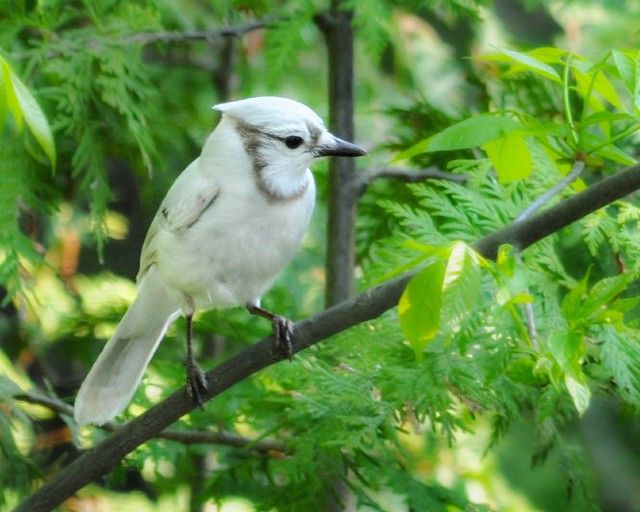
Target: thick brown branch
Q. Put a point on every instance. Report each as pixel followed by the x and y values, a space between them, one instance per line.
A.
pixel 409 175
pixel 181 436
pixel 366 306
pixel 341 202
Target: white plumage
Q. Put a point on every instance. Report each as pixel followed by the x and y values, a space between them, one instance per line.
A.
pixel 229 224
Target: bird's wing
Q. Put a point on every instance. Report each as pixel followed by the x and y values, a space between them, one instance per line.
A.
pixel 189 197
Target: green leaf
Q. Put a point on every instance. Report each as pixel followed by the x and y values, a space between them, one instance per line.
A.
pixel 594 77
pixel 585 90
pixel 605 117
pixel 572 301
pixel 549 54
pixel 23 105
pixel 415 150
pixel 627 63
pixel 421 304
pixel 512 278
pixel 506 260
pixel 461 286
pixel 579 392
pixel 10 95
pixel 473 132
pixel 615 154
pixel 3 98
pixel 510 157
pixel 449 286
pixel 527 62
pixel 567 349
pixel 35 118
pixel 604 292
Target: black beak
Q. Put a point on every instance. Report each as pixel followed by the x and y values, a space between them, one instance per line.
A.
pixel 341 148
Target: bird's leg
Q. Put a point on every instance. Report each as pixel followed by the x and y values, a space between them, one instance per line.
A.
pixel 282 328
pixel 196 379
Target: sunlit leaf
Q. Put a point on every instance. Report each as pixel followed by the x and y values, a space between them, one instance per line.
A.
pixel 627 63
pixel 35 118
pixel 461 284
pixel 579 392
pixel 596 80
pixel 448 287
pixel 473 132
pixel 510 157
pixel 548 54
pixel 615 154
pixel 421 304
pixel 567 348
pixel 11 98
pixel 530 63
pixel 605 117
pixel 23 106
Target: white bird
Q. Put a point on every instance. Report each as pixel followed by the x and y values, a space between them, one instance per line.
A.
pixel 229 224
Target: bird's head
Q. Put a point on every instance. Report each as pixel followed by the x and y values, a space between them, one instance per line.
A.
pixel 281 138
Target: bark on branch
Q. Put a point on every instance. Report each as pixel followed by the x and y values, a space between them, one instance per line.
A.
pixel 366 306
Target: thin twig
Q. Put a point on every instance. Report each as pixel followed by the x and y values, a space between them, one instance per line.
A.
pixel 576 171
pixel 181 436
pixel 194 35
pixel 365 178
pixel 364 307
pixel 145 38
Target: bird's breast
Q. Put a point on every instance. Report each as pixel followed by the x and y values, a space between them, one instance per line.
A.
pixel 234 252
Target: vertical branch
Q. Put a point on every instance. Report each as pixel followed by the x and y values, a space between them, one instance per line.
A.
pixel 340 261
pixel 342 199
pixel 223 75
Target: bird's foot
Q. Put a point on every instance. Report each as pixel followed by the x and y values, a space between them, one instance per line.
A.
pixel 196 383
pixel 283 333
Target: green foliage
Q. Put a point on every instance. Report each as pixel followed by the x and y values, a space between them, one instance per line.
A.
pixel 409 411
pixel 591 134
pixel 445 292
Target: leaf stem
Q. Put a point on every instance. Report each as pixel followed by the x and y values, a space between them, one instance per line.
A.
pixel 567 104
pixel 615 138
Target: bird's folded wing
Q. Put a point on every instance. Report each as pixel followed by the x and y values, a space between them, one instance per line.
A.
pixel 183 206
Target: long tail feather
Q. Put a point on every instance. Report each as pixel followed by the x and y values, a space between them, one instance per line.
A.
pixel 114 377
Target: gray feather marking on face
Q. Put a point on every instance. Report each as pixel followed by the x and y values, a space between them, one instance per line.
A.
pixel 314 133
pixel 254 140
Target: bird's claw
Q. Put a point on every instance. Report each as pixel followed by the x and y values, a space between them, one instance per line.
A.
pixel 283 333
pixel 196 383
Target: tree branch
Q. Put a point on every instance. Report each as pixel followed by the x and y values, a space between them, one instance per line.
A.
pixel 576 171
pixel 361 308
pixel 195 35
pixel 335 24
pixel 181 436
pixel 365 178
pixel 145 38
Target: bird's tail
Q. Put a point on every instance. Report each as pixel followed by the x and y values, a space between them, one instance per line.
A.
pixel 114 377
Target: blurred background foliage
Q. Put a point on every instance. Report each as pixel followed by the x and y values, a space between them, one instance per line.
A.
pixel 482 421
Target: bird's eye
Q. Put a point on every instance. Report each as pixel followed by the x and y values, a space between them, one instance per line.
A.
pixel 293 141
